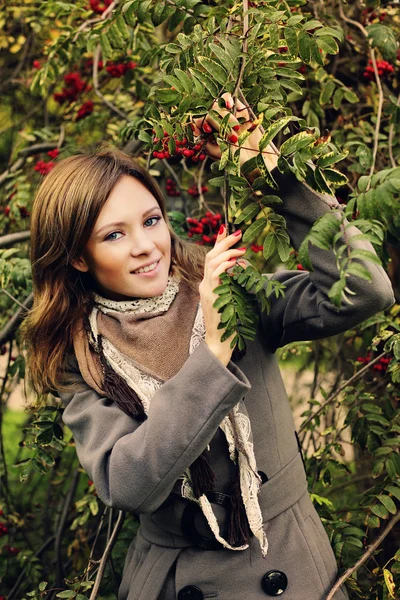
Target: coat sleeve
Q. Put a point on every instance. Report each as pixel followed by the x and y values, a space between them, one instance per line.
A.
pixel 134 466
pixel 306 312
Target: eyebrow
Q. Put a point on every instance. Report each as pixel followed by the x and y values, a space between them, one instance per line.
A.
pixel 122 223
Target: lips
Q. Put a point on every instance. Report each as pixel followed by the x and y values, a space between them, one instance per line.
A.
pixel 148 268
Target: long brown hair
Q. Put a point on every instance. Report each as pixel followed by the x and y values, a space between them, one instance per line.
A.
pixel 64 213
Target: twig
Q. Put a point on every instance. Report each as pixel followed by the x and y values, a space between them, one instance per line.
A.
pixel 202 202
pixel 7 293
pixel 244 49
pixel 104 558
pixel 61 525
pixel 14 238
pixel 378 84
pixel 21 576
pixel 341 388
pixel 364 557
pixel 8 331
pixel 86 24
pixel 391 136
pixel 96 58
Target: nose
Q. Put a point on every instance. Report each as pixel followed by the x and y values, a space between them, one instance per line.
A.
pixel 141 243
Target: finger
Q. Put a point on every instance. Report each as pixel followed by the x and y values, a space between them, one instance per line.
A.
pixel 223 244
pixel 241 110
pixel 223 268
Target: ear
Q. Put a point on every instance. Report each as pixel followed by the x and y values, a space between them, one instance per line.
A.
pixel 80 264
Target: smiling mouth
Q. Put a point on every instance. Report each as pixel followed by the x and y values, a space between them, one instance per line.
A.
pixel 147 269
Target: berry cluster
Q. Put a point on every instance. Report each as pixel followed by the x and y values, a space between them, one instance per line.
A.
pixel 11 550
pixel 194 190
pixel 384 68
pixel 44 167
pixel 204 230
pixel 170 188
pixel 369 14
pixel 382 365
pixel 256 248
pixel 74 86
pixel 99 6
pixel 85 110
pixel 115 69
pixel 3 529
pixel 182 148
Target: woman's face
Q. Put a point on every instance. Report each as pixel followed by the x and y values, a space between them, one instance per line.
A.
pixel 129 250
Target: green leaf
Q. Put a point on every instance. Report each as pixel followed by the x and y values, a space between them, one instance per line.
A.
pixel 327 90
pixel 269 246
pixel 304 47
pixel 335 177
pixel 283 248
pixel 227 313
pixel 291 40
pixel 176 18
pixel 207 81
pixel 337 98
pixel 222 301
pixel 273 130
pixel 388 503
pixel 106 49
pixel 223 57
pixel 254 230
pixel 66 594
pixel 384 38
pixel 327 44
pixel 350 96
pixel 184 79
pixel 214 70
pixel 395 491
pixel 372 521
pixel 380 511
pixel 297 142
pixel 175 82
pixel 167 96
pixel 248 213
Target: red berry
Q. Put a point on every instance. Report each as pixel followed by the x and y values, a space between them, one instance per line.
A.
pixel 233 138
pixel 236 127
pixel 202 157
pixel 7 211
pixel 206 127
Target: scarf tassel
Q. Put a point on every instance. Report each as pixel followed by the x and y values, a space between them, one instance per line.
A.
pixel 202 475
pixel 239 531
pixel 118 390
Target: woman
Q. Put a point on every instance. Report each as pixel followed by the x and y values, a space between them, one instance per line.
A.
pixel 201 447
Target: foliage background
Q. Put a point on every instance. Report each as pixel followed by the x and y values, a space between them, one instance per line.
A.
pixel 323 79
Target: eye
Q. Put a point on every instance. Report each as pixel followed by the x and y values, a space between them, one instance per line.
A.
pixel 113 236
pixel 150 222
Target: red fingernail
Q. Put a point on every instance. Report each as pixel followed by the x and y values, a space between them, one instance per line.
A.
pixel 242 248
pixel 238 232
pixel 221 230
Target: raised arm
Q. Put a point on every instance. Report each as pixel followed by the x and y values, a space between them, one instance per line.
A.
pixel 306 311
pixel 134 466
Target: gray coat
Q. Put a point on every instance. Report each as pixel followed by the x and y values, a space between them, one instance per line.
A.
pixel 135 467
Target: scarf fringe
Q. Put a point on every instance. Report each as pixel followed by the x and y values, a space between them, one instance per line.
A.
pixel 118 390
pixel 239 531
pixel 202 475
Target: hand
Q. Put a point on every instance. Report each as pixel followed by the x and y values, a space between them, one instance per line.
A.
pixel 201 127
pixel 218 261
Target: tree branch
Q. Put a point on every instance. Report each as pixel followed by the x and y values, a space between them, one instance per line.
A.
pixel 364 557
pixel 14 238
pixel 391 136
pixel 341 388
pixel 379 86
pixel 8 331
pixel 104 558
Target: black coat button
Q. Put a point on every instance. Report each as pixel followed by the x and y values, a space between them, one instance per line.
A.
pixel 190 592
pixel 263 476
pixel 274 583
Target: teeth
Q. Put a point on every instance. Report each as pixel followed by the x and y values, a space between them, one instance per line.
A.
pixel 147 269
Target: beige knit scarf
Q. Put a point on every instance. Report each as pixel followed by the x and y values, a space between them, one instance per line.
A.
pixel 127 350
